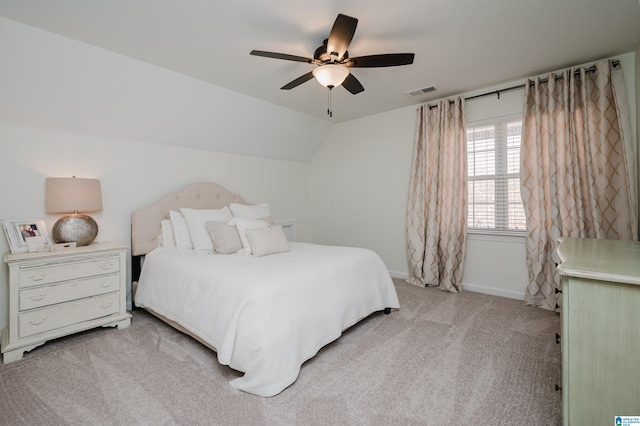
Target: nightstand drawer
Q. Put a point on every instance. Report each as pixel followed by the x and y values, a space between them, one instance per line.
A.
pixel 38 297
pixel 34 275
pixel 64 314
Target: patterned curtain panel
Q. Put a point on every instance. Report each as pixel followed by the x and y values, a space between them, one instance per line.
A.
pixel 577 168
pixel 437 207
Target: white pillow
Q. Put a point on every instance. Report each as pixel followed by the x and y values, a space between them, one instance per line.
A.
pixel 265 241
pixel 180 231
pixel 165 239
pixel 196 219
pixel 244 211
pixel 243 225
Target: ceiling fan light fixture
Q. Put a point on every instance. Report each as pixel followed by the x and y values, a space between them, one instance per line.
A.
pixel 330 75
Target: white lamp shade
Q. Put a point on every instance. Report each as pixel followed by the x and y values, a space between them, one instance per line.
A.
pixel 330 75
pixel 72 194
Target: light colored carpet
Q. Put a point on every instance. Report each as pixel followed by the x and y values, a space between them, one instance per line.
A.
pixel 442 359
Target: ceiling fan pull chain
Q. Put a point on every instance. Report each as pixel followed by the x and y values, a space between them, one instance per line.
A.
pixel 329 111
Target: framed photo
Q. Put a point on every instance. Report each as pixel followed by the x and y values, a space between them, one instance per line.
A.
pixel 26 235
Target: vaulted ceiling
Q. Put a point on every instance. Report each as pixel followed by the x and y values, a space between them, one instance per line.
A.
pixel 459 45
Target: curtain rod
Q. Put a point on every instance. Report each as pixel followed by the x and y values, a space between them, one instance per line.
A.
pixel 592 68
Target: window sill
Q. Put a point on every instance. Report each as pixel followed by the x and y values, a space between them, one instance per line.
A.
pixel 497 236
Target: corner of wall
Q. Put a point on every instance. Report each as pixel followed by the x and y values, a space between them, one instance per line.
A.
pixel 637 72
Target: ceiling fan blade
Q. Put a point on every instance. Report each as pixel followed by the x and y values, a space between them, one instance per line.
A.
pixel 384 60
pixel 284 56
pixel 341 35
pixel 352 84
pixel 298 81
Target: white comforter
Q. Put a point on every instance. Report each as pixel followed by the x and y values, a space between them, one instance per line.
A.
pixel 266 315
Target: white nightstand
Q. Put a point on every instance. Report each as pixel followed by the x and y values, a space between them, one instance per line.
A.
pixel 62 292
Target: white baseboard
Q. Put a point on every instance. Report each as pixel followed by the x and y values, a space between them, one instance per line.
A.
pixel 400 275
pixel 511 294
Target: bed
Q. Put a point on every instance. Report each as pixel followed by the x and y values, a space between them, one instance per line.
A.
pixel 263 310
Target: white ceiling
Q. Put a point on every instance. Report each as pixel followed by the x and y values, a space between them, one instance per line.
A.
pixel 459 45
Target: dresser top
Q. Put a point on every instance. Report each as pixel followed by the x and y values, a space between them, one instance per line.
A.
pixel 88 249
pixel 607 260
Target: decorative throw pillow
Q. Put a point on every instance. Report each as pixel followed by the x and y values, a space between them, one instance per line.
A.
pixel 242 225
pixel 196 219
pixel 180 231
pixel 225 237
pixel 265 241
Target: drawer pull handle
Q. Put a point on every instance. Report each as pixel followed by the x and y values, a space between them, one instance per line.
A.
pixel 107 266
pixel 38 277
pixel 105 305
pixel 38 297
pixel 38 322
pixel 107 284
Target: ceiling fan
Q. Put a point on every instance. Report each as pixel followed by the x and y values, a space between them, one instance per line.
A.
pixel 333 59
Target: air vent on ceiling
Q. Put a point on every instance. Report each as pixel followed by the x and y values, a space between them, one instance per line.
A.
pixel 422 91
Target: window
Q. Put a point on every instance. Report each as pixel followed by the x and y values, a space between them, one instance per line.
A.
pixel 493 154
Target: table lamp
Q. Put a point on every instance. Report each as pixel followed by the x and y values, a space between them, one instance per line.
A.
pixel 73 195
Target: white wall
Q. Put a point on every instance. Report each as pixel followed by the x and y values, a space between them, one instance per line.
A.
pixel 54 82
pixel 133 175
pixel 359 182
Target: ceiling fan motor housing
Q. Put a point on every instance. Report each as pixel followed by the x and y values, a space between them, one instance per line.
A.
pixel 321 54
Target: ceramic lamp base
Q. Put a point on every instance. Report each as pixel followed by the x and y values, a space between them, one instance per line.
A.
pixel 75 228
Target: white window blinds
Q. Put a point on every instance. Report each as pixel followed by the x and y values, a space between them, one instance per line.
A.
pixel 493 154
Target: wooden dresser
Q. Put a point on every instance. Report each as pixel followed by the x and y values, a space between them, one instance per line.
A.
pixel 600 309
pixel 57 293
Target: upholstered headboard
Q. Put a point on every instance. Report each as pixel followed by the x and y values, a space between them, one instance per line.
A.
pixel 145 223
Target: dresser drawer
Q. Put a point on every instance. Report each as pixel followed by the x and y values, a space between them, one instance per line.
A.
pixel 38 297
pixel 70 313
pixel 51 273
